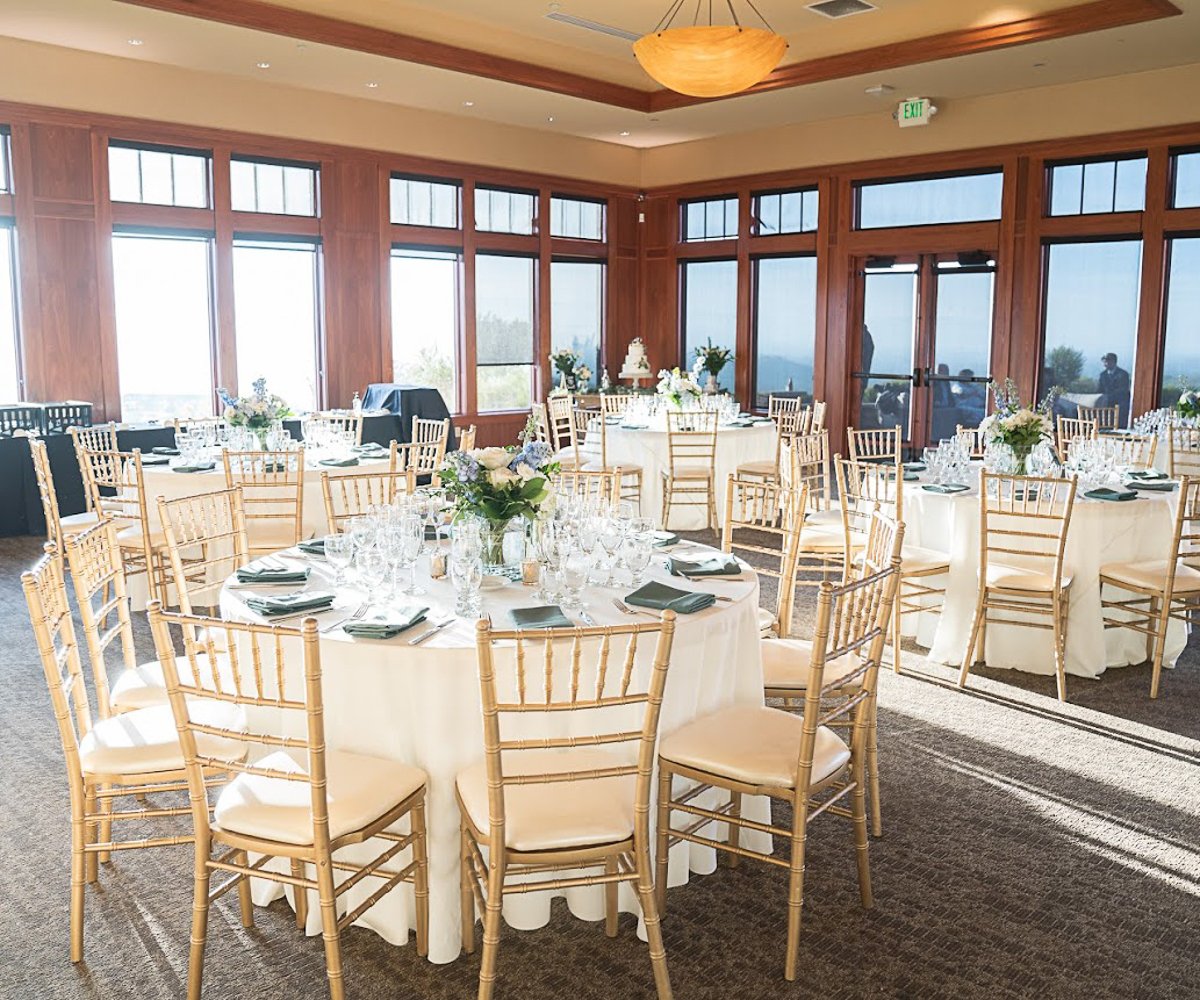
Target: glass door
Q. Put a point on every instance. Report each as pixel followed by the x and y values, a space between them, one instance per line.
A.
pixel 957 374
pixel 886 370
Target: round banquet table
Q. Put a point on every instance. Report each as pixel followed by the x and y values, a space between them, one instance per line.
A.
pixel 1101 532
pixel 647 447
pixel 421 705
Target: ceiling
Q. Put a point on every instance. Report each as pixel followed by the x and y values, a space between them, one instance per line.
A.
pixel 519 29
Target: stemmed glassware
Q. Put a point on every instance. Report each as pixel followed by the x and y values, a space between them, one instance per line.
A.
pixel 339 551
pixel 466 569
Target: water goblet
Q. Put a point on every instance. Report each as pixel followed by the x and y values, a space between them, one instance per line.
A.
pixel 575 567
pixel 372 567
pixel 466 576
pixel 339 550
pixel 635 553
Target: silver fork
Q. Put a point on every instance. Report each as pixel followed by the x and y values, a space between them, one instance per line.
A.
pixel 358 613
pixel 626 609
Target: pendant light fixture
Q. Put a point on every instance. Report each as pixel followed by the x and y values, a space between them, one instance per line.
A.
pixel 709 59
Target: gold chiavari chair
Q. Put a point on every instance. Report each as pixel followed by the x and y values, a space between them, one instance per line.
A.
pixel 1134 451
pixel 1023 525
pixel 552 802
pixel 350 496
pixel 778 406
pixel 1070 428
pixel 818 416
pixel 206 544
pixel 615 404
pixel 299 800
pixel 972 440
pixel 757 513
pixel 130 756
pixel 812 467
pixel 797 759
pixel 788 423
pixel 466 438
pixel 1106 418
pixel 1185 452
pixel 689 480
pixel 272 485
pixel 879 444
pixel 98 437
pixel 560 429
pixel 600 485
pixel 430 439
pixel 590 427
pixel 342 421
pixel 57 526
pixel 1165 589
pixel 186 426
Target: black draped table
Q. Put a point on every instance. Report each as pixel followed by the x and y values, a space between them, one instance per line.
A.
pixel 21 509
pixel 406 402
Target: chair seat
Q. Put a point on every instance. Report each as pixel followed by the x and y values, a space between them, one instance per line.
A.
pixel 756 746
pixel 767 468
pixel 766 620
pixel 144 686
pixel 786 663
pixel 359 790
pixel 131 538
pixel 556 815
pixel 915 559
pixel 831 517
pixel 1153 575
pixel 688 472
pixel 73 523
pixel 147 741
pixel 626 470
pixel 825 538
pixel 566 458
pixel 1016 578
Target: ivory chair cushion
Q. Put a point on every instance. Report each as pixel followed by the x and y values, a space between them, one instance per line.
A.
pixel 825 538
pixel 144 685
pixel 1016 578
pixel 689 472
pixel 131 538
pixel 1153 575
pixel 626 470
pixel 556 815
pixel 786 664
pixel 915 559
pixel 146 741
pixel 73 523
pixel 359 789
pixel 830 518
pixel 766 620
pixel 755 745
pixel 765 468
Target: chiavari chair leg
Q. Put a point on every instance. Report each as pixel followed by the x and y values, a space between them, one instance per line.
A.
pixel 329 927
pixel 668 487
pixel 1151 635
pixel 466 892
pixel 1160 646
pixel 199 918
pixel 858 808
pixel 969 656
pixel 421 877
pixel 662 835
pixel 491 930
pixel 90 831
pixel 1060 647
pixel 610 898
pixel 735 831
pixel 796 889
pixel 896 631
pixel 300 895
pixel 79 861
pixel 105 835
pixel 245 903
pixel 650 916
pixel 873 768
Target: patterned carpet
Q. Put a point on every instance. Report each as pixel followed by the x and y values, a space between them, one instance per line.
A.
pixel 1031 850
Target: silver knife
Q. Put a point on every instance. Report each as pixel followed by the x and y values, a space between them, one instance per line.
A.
pixel 587 619
pixel 428 632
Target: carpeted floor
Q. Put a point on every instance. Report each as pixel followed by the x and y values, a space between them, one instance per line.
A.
pixel 1031 849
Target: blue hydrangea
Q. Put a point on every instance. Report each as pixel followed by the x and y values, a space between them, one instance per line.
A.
pixel 535 454
pixel 465 466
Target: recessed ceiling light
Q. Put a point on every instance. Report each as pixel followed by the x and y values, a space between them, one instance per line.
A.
pixel 879 89
pixel 263 65
pixel 654 121
pixel 372 85
pixel 551 119
pixel 468 104
pixel 136 41
pixel 626 132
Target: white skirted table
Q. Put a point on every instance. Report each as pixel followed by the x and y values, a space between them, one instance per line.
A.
pixel 421 705
pixel 1101 532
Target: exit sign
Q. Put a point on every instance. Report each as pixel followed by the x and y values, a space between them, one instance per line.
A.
pixel 914 111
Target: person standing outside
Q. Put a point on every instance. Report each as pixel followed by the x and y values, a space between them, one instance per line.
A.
pixel 1114 386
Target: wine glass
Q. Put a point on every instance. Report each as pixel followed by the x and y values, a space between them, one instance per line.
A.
pixel 610 534
pixel 372 567
pixel 339 550
pixel 466 575
pixel 635 553
pixel 576 566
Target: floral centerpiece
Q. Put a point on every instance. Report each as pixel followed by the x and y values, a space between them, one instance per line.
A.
pixel 498 485
pixel 1188 404
pixel 258 412
pixel 712 360
pixel 1019 427
pixel 676 386
pixel 568 365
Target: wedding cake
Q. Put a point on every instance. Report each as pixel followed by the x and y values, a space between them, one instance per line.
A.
pixel 636 365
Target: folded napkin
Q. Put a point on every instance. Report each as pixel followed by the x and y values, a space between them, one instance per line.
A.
pixel 1158 486
pixel 740 423
pixel 914 466
pixel 155 459
pixel 634 427
pixel 909 477
pixel 945 487
pixel 612 420
pixel 1106 493
pixel 661 597
pixel 387 623
pixel 340 463
pixel 264 574
pixel 286 604
pixel 203 467
pixel 664 538
pixel 719 565
pixel 313 546
pixel 760 420
pixel 547 616
pixel 435 531
pixel 370 449
pixel 163 450
pixel 1148 475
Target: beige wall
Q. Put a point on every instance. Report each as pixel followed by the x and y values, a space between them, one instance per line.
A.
pixel 31 73
pixel 1111 104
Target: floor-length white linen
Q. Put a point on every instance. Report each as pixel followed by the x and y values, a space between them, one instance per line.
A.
pixel 1101 532
pixel 421 705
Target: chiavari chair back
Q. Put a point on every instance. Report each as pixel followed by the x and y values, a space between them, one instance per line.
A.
pixel 344 422
pixel 351 496
pixel 1133 451
pixel 560 427
pixel 206 429
pixel 972 440
pixel 466 438
pixel 1185 452
pixel 615 404
pixel 291 796
pixel 206 543
pixel 864 488
pixel 1070 428
pixel 818 416
pixel 56 525
pixel 798 759
pixel 272 485
pixel 789 422
pixel 1106 418
pixel 812 466
pixel 877 444
pixel 540 422
pixel 778 406
pixel 430 439
pixel 603 486
pixel 1023 526
pixel 690 476
pixel 569 795
pixel 97 437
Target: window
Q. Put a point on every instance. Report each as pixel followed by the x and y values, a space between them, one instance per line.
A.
pixel 709 306
pixel 785 327
pixel 5 169
pixel 153 176
pixel 778 212
pixel 10 375
pixel 1181 353
pixel 930 201
pixel 164 325
pixel 419 201
pixel 275 316
pixel 1098 186
pixel 710 219
pixel 273 188
pixel 1186 192
pixel 425 319
pixel 575 218
pixel 1092 294
pixel 504 290
pixel 501 211
pixel 577 311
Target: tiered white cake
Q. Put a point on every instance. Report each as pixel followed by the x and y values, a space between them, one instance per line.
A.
pixel 636 365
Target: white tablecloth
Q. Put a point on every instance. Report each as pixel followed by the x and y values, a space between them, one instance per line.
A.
pixel 648 449
pixel 421 705
pixel 1101 532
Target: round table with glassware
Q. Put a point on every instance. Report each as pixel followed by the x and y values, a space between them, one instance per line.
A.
pixel 414 695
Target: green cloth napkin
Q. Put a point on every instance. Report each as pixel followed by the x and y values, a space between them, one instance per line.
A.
pixel 155 459
pixel 313 546
pixel 946 487
pixel 163 450
pixel 721 565
pixel 634 427
pixel 1105 493
pixel 339 463
pixel 739 423
pixel 1148 475
pixel 285 604
pixel 661 597
pixel 909 477
pixel 261 574
pixel 206 467
pixel 547 616
pixel 664 538
pixel 914 466
pixel 370 449
pixel 387 623
pixel 1158 486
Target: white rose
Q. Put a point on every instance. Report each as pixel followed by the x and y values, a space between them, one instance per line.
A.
pixel 502 477
pixel 492 458
pixel 526 472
